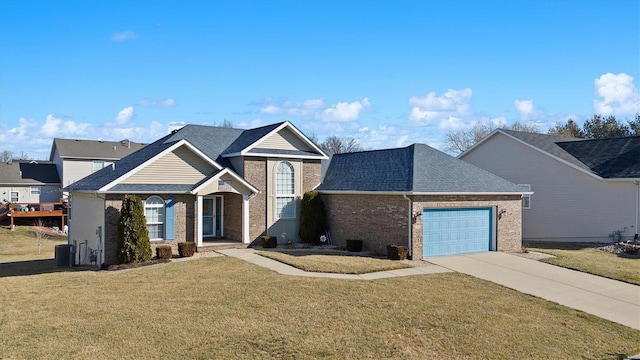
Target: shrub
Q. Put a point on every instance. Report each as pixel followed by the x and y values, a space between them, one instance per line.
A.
pixel 164 252
pixel 354 245
pixel 312 218
pixel 268 241
pixel 133 236
pixel 186 249
pixel 397 252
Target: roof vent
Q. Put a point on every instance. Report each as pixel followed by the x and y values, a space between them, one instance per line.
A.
pixel 126 142
pixel 113 166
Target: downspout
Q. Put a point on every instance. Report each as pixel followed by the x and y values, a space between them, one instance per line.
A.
pixel 410 213
pixel 637 203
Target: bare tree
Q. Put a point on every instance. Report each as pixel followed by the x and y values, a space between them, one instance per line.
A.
pixel 336 145
pixel 40 233
pixel 460 141
pixel 6 156
pixel 570 129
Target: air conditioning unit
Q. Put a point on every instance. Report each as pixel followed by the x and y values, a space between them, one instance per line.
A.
pixel 65 255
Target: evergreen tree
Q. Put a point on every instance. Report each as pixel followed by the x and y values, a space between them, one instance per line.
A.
pixel 312 217
pixel 133 236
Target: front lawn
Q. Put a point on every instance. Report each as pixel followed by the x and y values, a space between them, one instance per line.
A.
pixel 590 260
pixel 226 308
pixel 333 263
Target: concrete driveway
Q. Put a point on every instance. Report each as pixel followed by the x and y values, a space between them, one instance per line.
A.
pixel 609 299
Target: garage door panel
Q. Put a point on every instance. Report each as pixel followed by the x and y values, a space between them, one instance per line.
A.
pixel 455 231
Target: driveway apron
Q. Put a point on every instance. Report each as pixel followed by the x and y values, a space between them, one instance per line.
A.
pixel 609 299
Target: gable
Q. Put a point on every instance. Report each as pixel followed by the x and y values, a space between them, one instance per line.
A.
pixel 284 139
pixel 180 166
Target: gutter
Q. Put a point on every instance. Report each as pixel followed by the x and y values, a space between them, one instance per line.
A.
pixel 410 213
pixel 403 193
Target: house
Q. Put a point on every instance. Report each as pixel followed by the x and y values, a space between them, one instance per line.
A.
pixel 25 181
pixel 585 190
pixel 75 159
pixel 421 198
pixel 200 183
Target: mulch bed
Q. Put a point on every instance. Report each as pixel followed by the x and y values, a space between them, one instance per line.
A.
pixel 134 265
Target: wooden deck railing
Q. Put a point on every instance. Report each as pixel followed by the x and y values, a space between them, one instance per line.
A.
pixel 38 210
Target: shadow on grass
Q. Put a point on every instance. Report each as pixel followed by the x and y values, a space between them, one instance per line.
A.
pixel 36 267
pixel 561 246
pixel 307 252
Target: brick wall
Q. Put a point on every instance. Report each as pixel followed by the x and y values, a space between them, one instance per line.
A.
pixel 383 219
pixel 184 229
pixel 378 220
pixel 311 174
pixel 232 216
pixel 255 172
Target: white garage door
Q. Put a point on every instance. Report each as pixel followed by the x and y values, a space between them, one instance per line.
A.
pixel 456 231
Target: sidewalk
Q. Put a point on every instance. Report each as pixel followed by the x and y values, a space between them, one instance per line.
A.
pixel 609 299
pixel 250 256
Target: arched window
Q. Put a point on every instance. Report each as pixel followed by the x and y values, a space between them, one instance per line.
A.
pixel 285 191
pixel 154 213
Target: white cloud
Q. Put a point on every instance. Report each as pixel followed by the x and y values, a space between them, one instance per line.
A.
pixel 24 129
pixel 298 108
pixel 527 110
pixel 446 109
pixel 125 115
pixel 124 35
pixel 55 126
pixel 344 111
pixel 616 95
pixel 175 125
pixel 251 124
pixel 168 102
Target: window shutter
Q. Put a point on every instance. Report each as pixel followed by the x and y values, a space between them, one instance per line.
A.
pixel 169 220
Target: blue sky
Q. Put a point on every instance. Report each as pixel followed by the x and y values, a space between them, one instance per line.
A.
pixel 388 73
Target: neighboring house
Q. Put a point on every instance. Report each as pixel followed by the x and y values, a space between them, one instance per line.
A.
pixel 201 183
pixel 76 159
pixel 421 198
pixel 25 181
pixel 584 190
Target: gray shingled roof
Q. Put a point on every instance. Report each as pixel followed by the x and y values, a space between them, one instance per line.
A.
pixel 414 169
pixel 28 173
pixel 212 141
pixel 608 158
pixel 548 144
pixel 94 149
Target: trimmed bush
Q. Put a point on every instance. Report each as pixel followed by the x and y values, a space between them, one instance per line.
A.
pixel 133 236
pixel 312 218
pixel 268 241
pixel 164 252
pixel 186 249
pixel 354 245
pixel 397 252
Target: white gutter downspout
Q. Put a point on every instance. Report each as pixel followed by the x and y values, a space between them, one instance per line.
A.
pixel 410 211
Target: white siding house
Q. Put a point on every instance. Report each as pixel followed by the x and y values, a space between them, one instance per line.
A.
pixel 583 190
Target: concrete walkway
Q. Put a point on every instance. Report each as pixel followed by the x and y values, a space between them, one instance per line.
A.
pixel 609 299
pixel 250 256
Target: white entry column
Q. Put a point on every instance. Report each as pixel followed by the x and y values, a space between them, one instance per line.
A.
pixel 199 221
pixel 245 219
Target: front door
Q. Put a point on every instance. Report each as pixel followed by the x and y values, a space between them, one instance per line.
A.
pixel 212 216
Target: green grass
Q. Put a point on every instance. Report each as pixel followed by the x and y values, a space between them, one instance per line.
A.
pixel 333 263
pixel 591 260
pixel 226 308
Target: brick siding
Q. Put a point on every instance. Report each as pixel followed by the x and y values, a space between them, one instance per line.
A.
pixel 255 172
pixel 184 222
pixel 380 220
pixel 232 216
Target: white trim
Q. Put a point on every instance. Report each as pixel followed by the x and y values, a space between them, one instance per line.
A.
pixel 347 192
pixel 292 195
pixel 245 219
pixel 162 205
pixel 244 152
pixel 158 156
pixel 217 177
pixel 199 221
pixel 274 155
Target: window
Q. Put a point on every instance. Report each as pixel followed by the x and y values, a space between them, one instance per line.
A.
pixel 285 191
pixel 154 213
pixel 15 196
pixel 35 190
pixel 526 198
pixel 97 165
